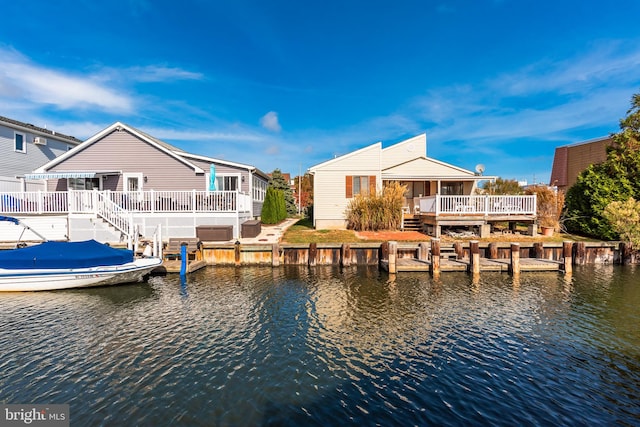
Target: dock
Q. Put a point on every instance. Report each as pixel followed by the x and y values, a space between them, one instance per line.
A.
pixel 432 260
pixel 496 265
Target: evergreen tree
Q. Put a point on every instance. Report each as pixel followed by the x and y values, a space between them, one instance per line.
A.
pixel 278 182
pixel 269 208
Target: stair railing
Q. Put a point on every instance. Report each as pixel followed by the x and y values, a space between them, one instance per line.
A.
pixel 115 215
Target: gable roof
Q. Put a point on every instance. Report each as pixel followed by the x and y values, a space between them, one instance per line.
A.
pixel 36 129
pixel 338 159
pixel 162 146
pixel 428 168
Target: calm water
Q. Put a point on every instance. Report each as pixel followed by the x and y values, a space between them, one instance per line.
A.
pixel 293 346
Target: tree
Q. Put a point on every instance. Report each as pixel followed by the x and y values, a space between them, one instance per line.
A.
pixel 278 182
pixel 303 192
pixel 502 186
pixel 615 179
pixel 624 218
pixel 269 207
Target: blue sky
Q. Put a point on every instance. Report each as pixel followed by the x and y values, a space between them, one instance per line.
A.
pixel 290 84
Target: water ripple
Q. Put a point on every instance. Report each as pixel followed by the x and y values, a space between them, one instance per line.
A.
pixel 291 346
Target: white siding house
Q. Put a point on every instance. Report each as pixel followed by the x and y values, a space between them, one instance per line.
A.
pixel 438 194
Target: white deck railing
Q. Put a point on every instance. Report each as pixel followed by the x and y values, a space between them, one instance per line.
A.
pixel 99 202
pixel 479 205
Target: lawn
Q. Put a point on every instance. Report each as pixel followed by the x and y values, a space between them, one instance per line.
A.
pixel 303 232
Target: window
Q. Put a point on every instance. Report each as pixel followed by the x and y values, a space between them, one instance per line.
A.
pixel 259 189
pixel 364 185
pixel 227 182
pixel 451 189
pixel 83 183
pixel 132 182
pixel 19 143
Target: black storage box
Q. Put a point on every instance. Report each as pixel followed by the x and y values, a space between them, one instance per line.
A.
pixel 251 228
pixel 214 233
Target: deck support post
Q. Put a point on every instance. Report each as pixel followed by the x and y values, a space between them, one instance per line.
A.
pixel 515 259
pixel 474 256
pixel 275 255
pixel 345 255
pixel 313 254
pixel 435 257
pixel 393 257
pixel 567 249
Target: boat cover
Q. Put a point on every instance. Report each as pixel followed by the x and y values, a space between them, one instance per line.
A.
pixel 63 255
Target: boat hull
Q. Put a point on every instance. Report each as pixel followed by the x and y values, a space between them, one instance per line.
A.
pixel 54 279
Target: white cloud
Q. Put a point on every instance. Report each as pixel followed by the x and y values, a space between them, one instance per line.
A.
pixel 22 79
pixel 270 122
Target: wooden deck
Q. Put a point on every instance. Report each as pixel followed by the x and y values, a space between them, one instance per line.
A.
pixel 173 266
pixel 496 265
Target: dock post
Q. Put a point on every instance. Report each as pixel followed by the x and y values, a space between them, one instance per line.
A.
pixel 474 256
pixel 275 255
pixel 435 257
pixel 493 250
pixel 236 251
pixel 459 250
pixel 538 248
pixel 423 252
pixel 183 258
pixel 580 254
pixel 393 255
pixel 567 249
pixel 625 253
pixel 345 255
pixel 515 258
pixel 313 253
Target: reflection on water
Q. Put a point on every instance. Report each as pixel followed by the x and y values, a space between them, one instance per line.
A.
pixel 325 346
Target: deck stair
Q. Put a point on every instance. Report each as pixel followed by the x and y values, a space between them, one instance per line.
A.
pixel 412 223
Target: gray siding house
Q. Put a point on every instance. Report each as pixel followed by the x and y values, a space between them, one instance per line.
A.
pixel 123 182
pixel 24 147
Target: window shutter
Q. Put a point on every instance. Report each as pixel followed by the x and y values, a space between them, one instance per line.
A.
pixel 349 189
pixel 372 184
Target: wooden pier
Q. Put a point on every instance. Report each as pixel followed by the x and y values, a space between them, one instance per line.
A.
pixel 433 262
pixel 497 265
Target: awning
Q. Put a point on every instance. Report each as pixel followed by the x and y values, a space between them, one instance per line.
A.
pixel 60 175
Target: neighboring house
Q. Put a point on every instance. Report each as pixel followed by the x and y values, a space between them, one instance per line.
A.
pixel 130 181
pixel 438 194
pixel 24 148
pixel 570 160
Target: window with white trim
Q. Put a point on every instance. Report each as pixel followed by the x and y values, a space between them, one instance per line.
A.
pixel 19 142
pixel 259 189
pixel 227 182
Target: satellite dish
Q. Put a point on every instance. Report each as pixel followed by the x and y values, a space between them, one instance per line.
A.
pixel 480 168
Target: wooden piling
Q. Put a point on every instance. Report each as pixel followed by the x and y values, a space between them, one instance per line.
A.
pixel 538 250
pixel 393 257
pixel 493 250
pixel 275 255
pixel 625 253
pixel 313 254
pixel 474 256
pixel 567 249
pixel 423 251
pixel 580 257
pixel 345 255
pixel 515 258
pixel 435 257
pixel 237 252
pixel 459 250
